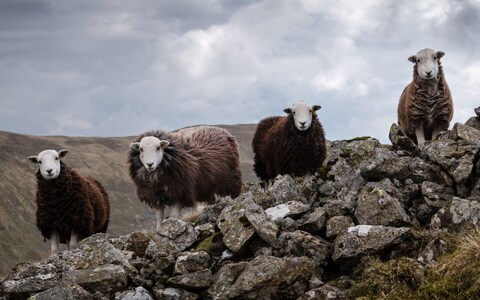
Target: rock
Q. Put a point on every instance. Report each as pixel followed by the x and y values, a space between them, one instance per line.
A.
pixel 107 279
pixel 465 133
pixel 436 195
pixel 205 230
pixel 173 294
pixel 268 277
pixel 325 292
pixel 159 267
pixel 139 293
pixel 63 292
pixel 30 279
pixel 300 243
pixel 434 249
pixel 454 216
pixel 364 240
pixel 193 281
pixel 137 243
pixel 234 225
pixel 340 207
pixel 291 209
pixel 314 222
pixel 337 225
pixel 264 226
pixel 189 262
pixel 473 122
pixel 377 207
pixel 401 141
pixel 224 278
pixel 283 190
pixel 173 237
pixel 213 245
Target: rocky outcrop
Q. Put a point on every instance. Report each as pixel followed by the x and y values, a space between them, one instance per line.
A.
pixel 297 239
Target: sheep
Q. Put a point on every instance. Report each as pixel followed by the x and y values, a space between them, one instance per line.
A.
pixel 293 144
pixel 184 167
pixel 425 107
pixel 70 207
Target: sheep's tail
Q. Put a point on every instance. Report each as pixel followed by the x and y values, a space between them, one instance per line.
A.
pixel 192 214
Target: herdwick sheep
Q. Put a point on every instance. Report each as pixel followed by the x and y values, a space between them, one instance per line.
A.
pixel 293 144
pixel 70 207
pixel 184 167
pixel 425 107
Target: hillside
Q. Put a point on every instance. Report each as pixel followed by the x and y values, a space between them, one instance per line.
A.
pixel 103 158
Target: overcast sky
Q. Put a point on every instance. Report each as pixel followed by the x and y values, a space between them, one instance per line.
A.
pixel 117 68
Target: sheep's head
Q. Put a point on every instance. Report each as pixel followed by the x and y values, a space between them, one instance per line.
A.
pixel 427 62
pixel 302 114
pixel 49 161
pixel 151 151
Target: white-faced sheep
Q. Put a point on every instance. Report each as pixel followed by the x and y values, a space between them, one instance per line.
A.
pixel 70 207
pixel 425 107
pixel 184 167
pixel 293 144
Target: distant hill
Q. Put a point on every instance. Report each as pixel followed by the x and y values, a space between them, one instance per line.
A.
pixel 103 158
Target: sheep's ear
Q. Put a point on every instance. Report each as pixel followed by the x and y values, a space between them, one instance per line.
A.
pixel 439 54
pixel 62 153
pixel 288 110
pixel 316 107
pixel 33 159
pixel 413 58
pixel 135 146
pixel 164 143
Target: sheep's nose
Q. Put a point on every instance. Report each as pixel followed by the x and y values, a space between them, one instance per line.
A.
pixel 149 165
pixel 49 171
pixel 303 124
pixel 429 73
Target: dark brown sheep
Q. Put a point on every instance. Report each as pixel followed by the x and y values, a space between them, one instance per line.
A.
pixel 293 145
pixel 69 206
pixel 184 167
pixel 425 107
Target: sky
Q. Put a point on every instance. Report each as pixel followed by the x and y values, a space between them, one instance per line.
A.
pixel 119 68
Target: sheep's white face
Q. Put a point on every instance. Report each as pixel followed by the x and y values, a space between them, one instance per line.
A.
pixel 49 161
pixel 302 114
pixel 151 151
pixel 427 62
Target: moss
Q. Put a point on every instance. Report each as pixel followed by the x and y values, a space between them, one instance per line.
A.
pixel 322 173
pixel 213 245
pixel 456 155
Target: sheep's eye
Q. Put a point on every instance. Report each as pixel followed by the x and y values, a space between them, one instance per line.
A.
pixel 158 148
pixel 418 60
pixel 141 149
pixel 56 158
pixel 39 161
pixel 293 112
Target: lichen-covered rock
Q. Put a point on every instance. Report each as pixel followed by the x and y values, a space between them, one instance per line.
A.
pixel 263 225
pixel 401 141
pixel 473 122
pixel 137 243
pixel 458 213
pixel 300 243
pixel 268 277
pixel 63 292
pixel 107 279
pixel 189 262
pixel 436 195
pixel 173 237
pixel 337 225
pixel 139 293
pixel 291 209
pixel 192 281
pixel 30 279
pixel 224 278
pixel 377 207
pixel 170 293
pixel 282 191
pixel 314 221
pixel 364 240
pixel 325 292
pixel 434 249
pixel 159 267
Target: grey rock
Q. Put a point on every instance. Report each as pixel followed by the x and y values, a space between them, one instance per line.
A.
pixel 325 292
pixel 400 140
pixel 268 277
pixel 465 133
pixel 139 293
pixel 377 207
pixel 337 225
pixel 192 281
pixel 224 278
pixel 34 278
pixel 137 243
pixel 473 122
pixel 263 225
pixel 364 240
pixel 456 215
pixel 436 195
pixel 188 262
pixel 292 209
pixel 434 249
pixel 64 292
pixel 314 222
pixel 173 237
pixel 234 225
pixel 205 230
pixel 159 267
pixel 300 243
pixel 283 190
pixel 170 293
pixel 107 279
pixel 340 207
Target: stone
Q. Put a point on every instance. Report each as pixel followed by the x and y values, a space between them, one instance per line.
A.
pixel 434 249
pixel 314 221
pixel 170 293
pixel 291 209
pixel 192 281
pixel 436 195
pixel 337 225
pixel 340 207
pixel 268 277
pixel 377 207
pixel 159 267
pixel 459 213
pixel 224 278
pixel 189 262
pixel 173 237
pixel 266 229
pixel 300 243
pixel 473 122
pixel 137 243
pixel 283 190
pixel 30 279
pixel 63 292
pixel 401 141
pixel 363 240
pixel 325 292
pixel 139 293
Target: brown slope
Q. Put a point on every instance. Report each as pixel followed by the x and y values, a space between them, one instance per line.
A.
pixel 103 158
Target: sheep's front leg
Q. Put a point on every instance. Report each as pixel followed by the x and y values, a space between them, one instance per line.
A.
pixel 420 134
pixel 73 240
pixel 54 244
pixel 160 216
pixel 175 213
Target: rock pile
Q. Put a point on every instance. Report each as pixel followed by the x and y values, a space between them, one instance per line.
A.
pixel 293 240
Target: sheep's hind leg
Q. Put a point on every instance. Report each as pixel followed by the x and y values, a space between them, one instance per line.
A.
pixel 73 240
pixel 54 244
pixel 420 134
pixel 175 212
pixel 160 216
